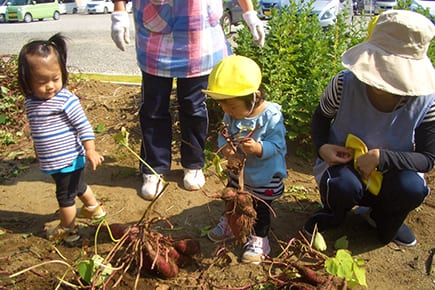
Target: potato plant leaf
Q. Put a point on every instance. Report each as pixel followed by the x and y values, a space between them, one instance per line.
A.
pixel 88 268
pixel 345 266
pixel 341 243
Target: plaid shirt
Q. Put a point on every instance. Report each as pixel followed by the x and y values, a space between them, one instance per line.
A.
pixel 179 38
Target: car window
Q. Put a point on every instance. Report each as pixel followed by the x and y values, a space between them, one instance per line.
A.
pixel 19 2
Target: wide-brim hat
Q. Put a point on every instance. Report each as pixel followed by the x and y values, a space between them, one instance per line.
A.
pixel 234 76
pixel 394 58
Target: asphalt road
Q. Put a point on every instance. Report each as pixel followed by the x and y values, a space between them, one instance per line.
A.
pixel 90 47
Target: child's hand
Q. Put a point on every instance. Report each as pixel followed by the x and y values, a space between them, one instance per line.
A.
pixel 250 146
pixel 94 158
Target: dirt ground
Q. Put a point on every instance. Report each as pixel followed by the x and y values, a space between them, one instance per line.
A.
pixel 27 204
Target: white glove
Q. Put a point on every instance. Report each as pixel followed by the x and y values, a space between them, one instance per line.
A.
pixel 121 29
pixel 255 25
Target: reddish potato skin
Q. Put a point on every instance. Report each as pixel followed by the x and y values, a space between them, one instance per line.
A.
pixel 179 259
pixel 117 230
pixel 163 268
pixel 188 247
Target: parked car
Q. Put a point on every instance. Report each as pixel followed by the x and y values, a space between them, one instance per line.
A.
pixel 232 15
pixel 326 10
pixel 28 10
pixel 383 5
pixel 3 4
pixel 104 6
pixel 266 7
pixel 68 7
pixel 425 4
pixel 99 6
pixel 358 7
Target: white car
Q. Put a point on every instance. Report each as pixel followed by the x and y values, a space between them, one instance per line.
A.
pixel 68 7
pixel 326 10
pixel 384 5
pixel 99 6
pixel 3 5
pixel 104 6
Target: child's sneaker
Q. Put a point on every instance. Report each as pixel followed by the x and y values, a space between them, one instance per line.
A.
pixel 222 232
pixel 93 214
pixel 60 233
pixel 256 249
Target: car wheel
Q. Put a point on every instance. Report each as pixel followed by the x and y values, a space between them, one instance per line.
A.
pixel 106 10
pixel 28 18
pixel 2 18
pixel 226 22
pixel 74 11
pixel 56 15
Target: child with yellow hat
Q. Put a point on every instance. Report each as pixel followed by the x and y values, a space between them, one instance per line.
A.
pixel 234 83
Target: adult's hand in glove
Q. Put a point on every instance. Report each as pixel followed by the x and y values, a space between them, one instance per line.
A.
pixel 121 29
pixel 256 26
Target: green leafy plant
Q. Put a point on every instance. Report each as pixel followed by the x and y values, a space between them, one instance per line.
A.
pixel 297 61
pixel 89 268
pixel 345 266
pixel 12 118
pixel 121 138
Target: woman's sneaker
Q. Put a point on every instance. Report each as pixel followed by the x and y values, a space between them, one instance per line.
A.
pixel 405 237
pixel 94 214
pixel 151 187
pixel 256 250
pixel 193 179
pixel 59 234
pixel 222 232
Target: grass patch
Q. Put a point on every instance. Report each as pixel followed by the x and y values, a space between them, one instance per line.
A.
pixel 110 78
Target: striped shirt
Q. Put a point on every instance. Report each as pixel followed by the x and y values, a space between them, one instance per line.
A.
pixel 58 126
pixel 179 38
pixel 330 101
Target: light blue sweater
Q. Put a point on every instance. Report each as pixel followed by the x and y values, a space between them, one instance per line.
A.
pixel 271 134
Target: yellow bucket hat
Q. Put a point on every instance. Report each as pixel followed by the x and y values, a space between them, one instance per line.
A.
pixel 374 183
pixel 234 76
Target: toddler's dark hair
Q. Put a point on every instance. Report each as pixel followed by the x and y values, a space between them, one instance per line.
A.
pixel 42 48
pixel 249 99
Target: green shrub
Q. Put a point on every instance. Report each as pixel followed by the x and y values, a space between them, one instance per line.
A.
pixel 298 60
pixel 12 116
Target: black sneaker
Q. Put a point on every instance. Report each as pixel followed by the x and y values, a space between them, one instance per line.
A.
pixel 324 219
pixel 405 237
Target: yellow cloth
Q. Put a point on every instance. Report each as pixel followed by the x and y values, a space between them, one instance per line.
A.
pixel 374 182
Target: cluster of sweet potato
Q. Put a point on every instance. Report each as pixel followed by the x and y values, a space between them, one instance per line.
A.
pixel 240 212
pixel 151 252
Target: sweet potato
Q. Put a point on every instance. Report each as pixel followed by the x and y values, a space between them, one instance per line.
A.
pixel 118 230
pixel 228 193
pixel 161 266
pixel 309 275
pixel 179 259
pixel 188 247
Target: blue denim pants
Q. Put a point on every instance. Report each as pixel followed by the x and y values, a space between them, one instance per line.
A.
pixel 402 191
pixel 155 117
